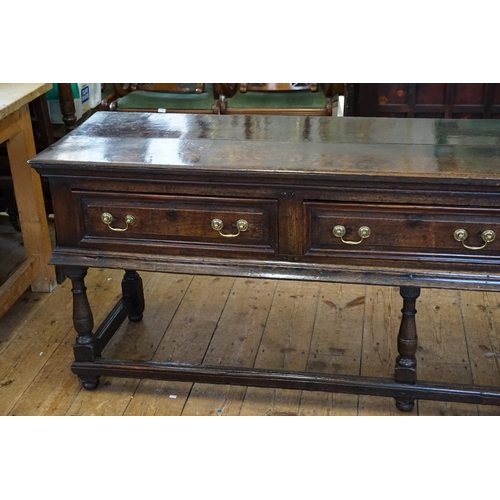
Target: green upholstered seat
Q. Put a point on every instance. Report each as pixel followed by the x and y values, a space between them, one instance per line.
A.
pixel 278 99
pixel 142 99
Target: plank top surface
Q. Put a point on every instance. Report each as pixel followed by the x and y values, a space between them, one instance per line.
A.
pixel 15 95
pixel 413 147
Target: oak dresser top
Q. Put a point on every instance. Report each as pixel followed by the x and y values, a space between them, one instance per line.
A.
pixel 280 145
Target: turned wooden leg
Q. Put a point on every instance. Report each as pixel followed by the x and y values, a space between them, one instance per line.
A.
pixel 83 322
pixel 67 105
pixel 406 362
pixel 133 295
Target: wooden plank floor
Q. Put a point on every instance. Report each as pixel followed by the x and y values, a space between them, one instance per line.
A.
pixel 322 327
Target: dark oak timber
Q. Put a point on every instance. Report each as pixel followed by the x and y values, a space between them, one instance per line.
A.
pixel 375 386
pixel 133 295
pixel 411 203
pixel 406 363
pixel 83 321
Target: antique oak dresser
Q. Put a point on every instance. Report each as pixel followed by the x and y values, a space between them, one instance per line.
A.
pixel 413 203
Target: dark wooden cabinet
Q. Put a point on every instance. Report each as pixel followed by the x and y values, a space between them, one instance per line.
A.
pixel 408 203
pixel 423 100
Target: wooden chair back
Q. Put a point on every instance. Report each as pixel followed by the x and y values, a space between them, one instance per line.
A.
pixel 270 87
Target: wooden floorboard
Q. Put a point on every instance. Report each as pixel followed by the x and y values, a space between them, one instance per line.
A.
pixel 336 345
pixel 321 327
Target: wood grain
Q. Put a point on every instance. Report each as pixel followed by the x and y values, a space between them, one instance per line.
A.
pixel 415 181
pixel 335 348
pixel 236 341
pixel 16 130
pixel 381 325
pixel 285 345
pixel 186 339
pixel 347 319
pixel 442 348
pixel 15 95
pixel 36 343
pixel 381 147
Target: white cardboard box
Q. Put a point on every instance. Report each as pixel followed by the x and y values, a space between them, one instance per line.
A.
pixel 89 96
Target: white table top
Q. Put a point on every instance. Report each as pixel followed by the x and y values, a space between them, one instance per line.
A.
pixel 15 95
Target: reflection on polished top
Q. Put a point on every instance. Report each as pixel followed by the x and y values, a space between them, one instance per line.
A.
pixel 411 147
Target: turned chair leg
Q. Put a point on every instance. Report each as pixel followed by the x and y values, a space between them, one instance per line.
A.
pixel 406 363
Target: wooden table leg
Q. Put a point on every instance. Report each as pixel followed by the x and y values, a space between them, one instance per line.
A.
pixel 83 322
pixel 133 295
pixel 29 198
pixel 406 362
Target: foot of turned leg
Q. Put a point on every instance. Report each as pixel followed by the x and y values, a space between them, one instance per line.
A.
pixel 405 405
pixel 89 382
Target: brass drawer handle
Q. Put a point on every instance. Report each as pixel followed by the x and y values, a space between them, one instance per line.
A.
pixel 107 218
pixel 363 231
pixel 242 226
pixel 488 236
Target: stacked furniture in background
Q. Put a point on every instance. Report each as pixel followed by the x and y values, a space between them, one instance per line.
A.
pixel 68 111
pixel 227 98
pixel 279 98
pixel 165 98
pixel 423 100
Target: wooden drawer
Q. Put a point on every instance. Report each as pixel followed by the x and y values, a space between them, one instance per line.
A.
pixel 400 231
pixel 175 224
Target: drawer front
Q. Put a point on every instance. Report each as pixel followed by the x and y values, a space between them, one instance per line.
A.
pixel 400 231
pixel 177 223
